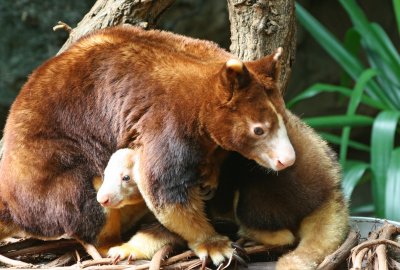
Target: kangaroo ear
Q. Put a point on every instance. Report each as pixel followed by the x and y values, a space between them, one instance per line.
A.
pixel 235 75
pixel 268 65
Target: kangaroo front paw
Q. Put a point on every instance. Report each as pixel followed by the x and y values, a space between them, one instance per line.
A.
pixel 124 251
pixel 218 248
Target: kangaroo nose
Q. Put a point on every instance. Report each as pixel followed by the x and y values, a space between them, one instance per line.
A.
pixel 103 199
pixel 279 165
pixel 285 161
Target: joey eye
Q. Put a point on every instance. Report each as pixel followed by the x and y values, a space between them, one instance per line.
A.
pixel 258 131
pixel 126 178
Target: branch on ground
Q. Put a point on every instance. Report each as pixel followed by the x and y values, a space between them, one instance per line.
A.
pixel 373 252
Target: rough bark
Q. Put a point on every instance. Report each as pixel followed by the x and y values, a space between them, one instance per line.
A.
pixel 106 13
pixel 258 27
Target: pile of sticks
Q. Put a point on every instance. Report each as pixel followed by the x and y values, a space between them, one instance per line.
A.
pixel 30 253
pixel 380 251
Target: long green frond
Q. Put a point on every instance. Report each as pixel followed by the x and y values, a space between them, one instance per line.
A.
pixel 392 194
pixel 382 143
pixel 339 121
pixel 352 174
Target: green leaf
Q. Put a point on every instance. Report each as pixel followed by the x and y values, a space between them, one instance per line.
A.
pixel 339 121
pixel 319 88
pixel 352 174
pixel 362 209
pixel 389 47
pixel 371 38
pixel 396 6
pixel 382 142
pixel 378 46
pixel 338 140
pixel 389 69
pixel 386 78
pixel 344 142
pixel 352 43
pixel 357 94
pixel 355 100
pixel 392 194
pixel 333 47
pixel 329 42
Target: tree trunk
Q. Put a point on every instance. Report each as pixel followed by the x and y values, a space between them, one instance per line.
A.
pixel 106 13
pixel 258 27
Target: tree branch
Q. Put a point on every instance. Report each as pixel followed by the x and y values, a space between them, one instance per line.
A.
pixel 375 248
pixel 106 13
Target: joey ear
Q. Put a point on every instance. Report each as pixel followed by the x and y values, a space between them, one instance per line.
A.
pixel 235 74
pixel 268 65
pixel 133 157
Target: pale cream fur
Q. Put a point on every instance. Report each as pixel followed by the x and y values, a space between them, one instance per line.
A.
pixel 269 238
pixel 235 65
pixel 143 245
pixel 118 221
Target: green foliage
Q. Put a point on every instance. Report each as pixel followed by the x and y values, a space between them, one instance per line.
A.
pixel 393 186
pixel 376 86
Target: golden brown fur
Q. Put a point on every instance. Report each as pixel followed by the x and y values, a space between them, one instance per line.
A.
pixel 178 99
pixel 74 111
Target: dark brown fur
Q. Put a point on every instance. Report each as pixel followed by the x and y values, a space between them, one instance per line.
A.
pixel 71 115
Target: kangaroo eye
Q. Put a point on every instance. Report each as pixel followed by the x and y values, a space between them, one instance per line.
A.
pixel 258 131
pixel 126 178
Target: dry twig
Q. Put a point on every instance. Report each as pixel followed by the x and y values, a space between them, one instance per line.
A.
pixel 373 243
pixel 63 260
pixel 394 264
pixel 12 262
pixel 359 257
pixel 43 248
pixel 62 26
pixel 158 258
pixel 91 250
